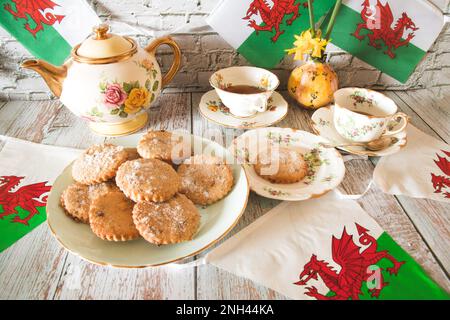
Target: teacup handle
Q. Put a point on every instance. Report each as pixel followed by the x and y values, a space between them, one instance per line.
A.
pixel 398 115
pixel 261 105
pixel 151 48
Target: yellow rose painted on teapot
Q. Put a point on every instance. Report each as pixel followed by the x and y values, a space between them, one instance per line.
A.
pixel 137 99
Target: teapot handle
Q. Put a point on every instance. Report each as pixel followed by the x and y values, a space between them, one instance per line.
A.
pixel 151 48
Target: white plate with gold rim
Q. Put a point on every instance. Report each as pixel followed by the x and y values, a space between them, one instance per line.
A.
pixel 326 168
pixel 212 108
pixel 322 123
pixel 216 221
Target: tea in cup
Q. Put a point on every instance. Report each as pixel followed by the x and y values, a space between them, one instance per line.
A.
pixel 244 90
pixel 363 115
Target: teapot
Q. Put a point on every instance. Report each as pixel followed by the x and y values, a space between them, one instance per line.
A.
pixel 109 80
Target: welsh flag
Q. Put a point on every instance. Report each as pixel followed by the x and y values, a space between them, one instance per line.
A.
pixel 27 172
pixel 325 249
pixel 391 35
pixel 261 30
pixel 48 29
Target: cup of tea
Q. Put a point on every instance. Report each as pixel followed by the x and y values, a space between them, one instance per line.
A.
pixel 363 115
pixel 244 90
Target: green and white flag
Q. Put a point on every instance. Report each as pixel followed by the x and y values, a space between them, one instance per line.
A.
pixel 420 170
pixel 326 249
pixel 261 30
pixel 391 35
pixel 27 171
pixel 48 29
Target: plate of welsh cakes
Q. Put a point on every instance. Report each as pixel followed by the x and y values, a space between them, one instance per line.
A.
pixel 147 200
pixel 288 164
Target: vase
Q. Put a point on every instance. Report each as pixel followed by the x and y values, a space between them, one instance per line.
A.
pixel 312 84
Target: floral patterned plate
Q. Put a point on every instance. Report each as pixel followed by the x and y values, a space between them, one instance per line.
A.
pixel 216 221
pixel 326 167
pixel 322 123
pixel 212 108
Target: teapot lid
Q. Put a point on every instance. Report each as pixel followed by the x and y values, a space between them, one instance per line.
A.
pixel 103 47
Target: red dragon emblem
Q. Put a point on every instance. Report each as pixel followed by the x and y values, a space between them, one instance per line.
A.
pixel 27 197
pixel 443 181
pixel 272 16
pixel 35 10
pixel 379 19
pixel 354 267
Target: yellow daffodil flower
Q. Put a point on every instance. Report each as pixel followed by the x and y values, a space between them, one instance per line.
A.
pixel 306 44
pixel 302 45
pixel 318 47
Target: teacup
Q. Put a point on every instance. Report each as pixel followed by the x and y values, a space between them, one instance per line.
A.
pixel 363 115
pixel 244 104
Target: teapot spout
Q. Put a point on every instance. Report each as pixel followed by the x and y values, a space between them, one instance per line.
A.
pixel 54 76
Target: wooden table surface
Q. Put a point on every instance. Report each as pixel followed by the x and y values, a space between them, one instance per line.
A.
pixel 37 267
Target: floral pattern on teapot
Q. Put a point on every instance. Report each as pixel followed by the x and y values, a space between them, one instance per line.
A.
pixel 128 98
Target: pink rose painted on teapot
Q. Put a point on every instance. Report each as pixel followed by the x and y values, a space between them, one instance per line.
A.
pixel 114 95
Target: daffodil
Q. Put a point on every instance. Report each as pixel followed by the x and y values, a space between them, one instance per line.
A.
pixel 307 44
pixel 302 45
pixel 318 47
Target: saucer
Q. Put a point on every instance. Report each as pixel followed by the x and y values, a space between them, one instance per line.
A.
pixel 212 108
pixel 326 168
pixel 322 123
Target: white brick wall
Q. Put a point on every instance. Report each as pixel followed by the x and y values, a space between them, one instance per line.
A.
pixel 204 51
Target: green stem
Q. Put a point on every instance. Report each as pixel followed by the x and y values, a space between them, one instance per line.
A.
pixel 311 18
pixel 330 26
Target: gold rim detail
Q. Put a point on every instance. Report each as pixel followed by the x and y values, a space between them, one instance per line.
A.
pixel 117 58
